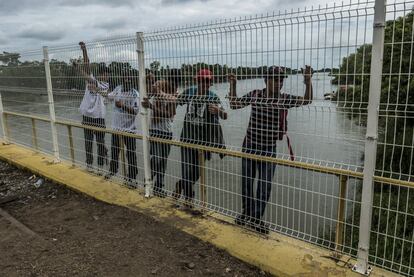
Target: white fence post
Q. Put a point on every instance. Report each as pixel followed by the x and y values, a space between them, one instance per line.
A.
pixel 144 115
pixel 371 138
pixel 3 122
pixel 51 105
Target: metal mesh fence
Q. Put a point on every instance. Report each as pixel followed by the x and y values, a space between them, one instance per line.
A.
pixel 262 119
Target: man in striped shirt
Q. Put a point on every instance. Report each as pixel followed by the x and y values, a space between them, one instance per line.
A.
pixel 262 133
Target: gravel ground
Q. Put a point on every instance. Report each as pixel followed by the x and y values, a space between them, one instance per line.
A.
pixel 75 235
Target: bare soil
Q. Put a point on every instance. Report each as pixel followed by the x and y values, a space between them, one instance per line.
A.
pixel 74 235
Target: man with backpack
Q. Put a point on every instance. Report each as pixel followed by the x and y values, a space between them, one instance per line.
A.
pixel 267 125
pixel 201 126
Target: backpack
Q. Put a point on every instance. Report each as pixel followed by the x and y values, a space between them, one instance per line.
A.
pixel 283 123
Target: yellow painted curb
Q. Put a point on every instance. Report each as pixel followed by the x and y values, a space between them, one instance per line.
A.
pixel 278 254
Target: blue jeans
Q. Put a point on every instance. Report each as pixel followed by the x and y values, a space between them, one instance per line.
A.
pixel 159 155
pixel 255 206
pixel 190 170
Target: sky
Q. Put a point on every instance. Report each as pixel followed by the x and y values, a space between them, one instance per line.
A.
pixel 30 24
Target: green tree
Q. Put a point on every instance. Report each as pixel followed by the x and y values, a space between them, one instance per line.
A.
pixel 393 213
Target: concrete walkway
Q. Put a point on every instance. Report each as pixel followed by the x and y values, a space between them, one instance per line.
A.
pixel 277 254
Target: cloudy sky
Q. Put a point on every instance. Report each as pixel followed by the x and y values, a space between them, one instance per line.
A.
pixel 29 24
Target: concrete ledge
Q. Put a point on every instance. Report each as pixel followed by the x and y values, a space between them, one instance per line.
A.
pixel 277 254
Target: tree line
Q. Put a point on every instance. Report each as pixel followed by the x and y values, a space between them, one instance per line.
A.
pixel 15 73
pixel 395 138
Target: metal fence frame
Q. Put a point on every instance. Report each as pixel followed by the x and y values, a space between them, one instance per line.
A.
pixel 368 175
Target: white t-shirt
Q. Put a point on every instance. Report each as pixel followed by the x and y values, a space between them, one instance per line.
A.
pixel 92 104
pixel 121 119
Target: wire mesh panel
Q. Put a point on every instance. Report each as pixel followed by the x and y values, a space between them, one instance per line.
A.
pixel 261 118
pixel 396 115
pixel 22 82
pixel 251 72
pixel 23 90
pixel 392 236
pixel 96 84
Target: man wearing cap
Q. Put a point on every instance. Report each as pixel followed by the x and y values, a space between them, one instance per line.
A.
pixel 201 126
pixel 262 133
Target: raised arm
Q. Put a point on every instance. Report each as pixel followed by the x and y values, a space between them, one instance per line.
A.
pixel 85 69
pixel 307 79
pixel 235 102
pixel 86 63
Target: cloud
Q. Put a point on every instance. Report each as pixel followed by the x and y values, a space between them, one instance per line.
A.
pixel 41 32
pixel 172 2
pixel 111 24
pixel 19 6
pixel 109 3
pixel 68 21
pixel 3 41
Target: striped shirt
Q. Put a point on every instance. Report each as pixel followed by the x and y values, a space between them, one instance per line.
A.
pixel 263 128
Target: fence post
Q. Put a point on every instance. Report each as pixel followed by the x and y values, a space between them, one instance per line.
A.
pixel 71 148
pixel 339 239
pixel 203 191
pixel 123 163
pixel 144 115
pixel 34 135
pixel 51 105
pixel 3 121
pixel 371 138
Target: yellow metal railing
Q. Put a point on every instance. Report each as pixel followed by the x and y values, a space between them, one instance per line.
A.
pixel 342 174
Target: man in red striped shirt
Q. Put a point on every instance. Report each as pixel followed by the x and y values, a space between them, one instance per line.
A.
pixel 262 133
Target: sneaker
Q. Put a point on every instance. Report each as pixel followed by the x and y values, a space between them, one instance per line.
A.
pixel 178 190
pixel 109 175
pixel 241 220
pixel 159 192
pixel 188 204
pixel 130 183
pixel 100 171
pixel 259 226
pixel 89 168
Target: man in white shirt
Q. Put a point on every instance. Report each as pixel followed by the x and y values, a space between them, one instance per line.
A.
pixel 126 107
pixel 92 109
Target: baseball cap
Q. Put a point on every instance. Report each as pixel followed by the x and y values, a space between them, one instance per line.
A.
pixel 204 74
